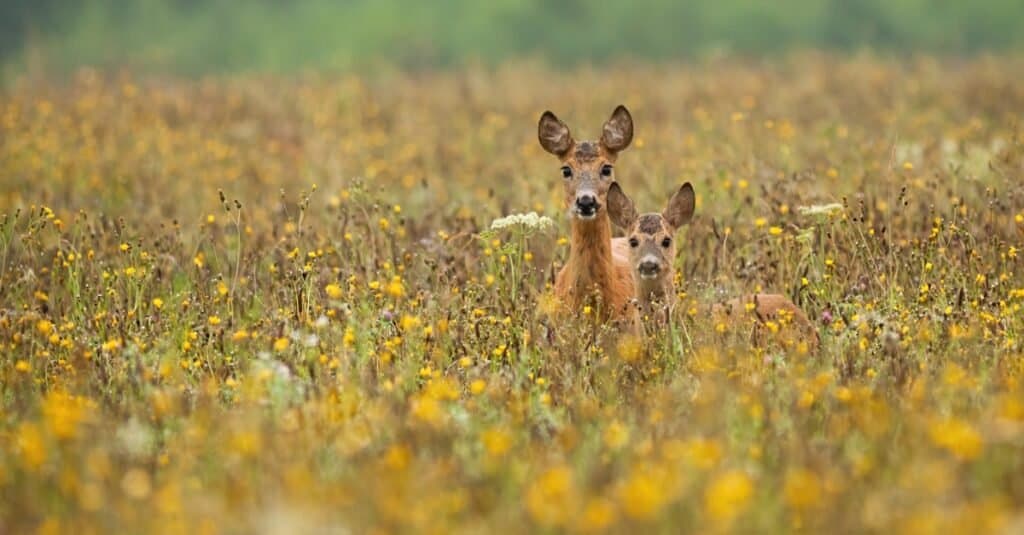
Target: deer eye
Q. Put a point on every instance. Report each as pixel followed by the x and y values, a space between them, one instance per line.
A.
pixel 567 172
pixel 666 242
pixel 606 170
pixel 634 243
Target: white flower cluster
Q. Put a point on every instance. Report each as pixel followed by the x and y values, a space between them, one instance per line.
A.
pixel 820 209
pixel 530 221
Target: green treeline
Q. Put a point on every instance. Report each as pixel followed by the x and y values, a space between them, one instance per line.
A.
pixel 198 36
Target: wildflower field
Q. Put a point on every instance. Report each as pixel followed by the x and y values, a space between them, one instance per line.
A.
pixel 275 304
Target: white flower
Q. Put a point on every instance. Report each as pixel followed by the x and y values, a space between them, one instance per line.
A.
pixel 530 221
pixel 820 209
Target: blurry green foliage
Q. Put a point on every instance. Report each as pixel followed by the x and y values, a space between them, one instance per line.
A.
pixel 195 36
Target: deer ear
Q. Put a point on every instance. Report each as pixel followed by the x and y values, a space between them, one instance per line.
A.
pixel 618 130
pixel 554 136
pixel 680 207
pixel 621 209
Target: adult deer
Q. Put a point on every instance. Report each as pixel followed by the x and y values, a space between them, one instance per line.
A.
pixel 597 273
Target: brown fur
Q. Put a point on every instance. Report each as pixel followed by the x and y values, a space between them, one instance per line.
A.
pixel 769 308
pixel 655 297
pixel 597 272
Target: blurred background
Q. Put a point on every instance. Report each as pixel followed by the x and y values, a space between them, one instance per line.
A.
pixel 197 36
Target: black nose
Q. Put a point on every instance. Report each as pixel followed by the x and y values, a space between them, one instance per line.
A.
pixel 586 203
pixel 649 268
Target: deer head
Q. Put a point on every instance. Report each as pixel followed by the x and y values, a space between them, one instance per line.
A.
pixel 587 166
pixel 652 247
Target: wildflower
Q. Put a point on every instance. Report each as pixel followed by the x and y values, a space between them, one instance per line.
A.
pixel 136 483
pixel 645 492
pixel 23 366
pixel 549 497
pixel 427 410
pixel 775 231
pixel 213 320
pixel 158 303
pixel 45 327
pixel 333 291
pixel 630 348
pixel 239 335
pixel 408 323
pixel 598 514
pixel 958 437
pixel 531 221
pixel 819 209
pixel 30 446
pixel 496 442
pixel 802 489
pixel 64 413
pixel 281 344
pixel 727 496
pixel 395 288
pixel 615 435
pixel 112 344
pixel 477 387
pixel 760 222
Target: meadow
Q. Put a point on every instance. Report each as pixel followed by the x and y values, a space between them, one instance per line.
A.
pixel 276 304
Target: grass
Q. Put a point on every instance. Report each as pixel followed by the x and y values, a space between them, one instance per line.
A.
pixel 273 304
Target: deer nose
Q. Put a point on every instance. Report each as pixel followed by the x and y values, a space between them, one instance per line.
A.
pixel 586 204
pixel 649 267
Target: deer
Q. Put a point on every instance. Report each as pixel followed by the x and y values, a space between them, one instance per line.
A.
pixel 597 272
pixel 652 246
pixel 652 251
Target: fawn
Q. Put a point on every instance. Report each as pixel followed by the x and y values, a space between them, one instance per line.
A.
pixel 597 272
pixel 652 252
pixel 652 247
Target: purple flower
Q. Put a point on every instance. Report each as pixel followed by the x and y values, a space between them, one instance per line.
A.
pixel 826 316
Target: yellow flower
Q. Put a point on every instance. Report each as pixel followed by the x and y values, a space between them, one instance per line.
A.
pixel 958 437
pixel 760 222
pixel 496 441
pixel 409 323
pixel 477 387
pixel 550 497
pixel 30 446
pixel 44 327
pixel 802 489
pixel 334 291
pixel 646 492
pixel 158 303
pixel 598 514
pixel 395 287
pixel 213 320
pixel 23 366
pixel 630 348
pixel 727 496
pixel 775 231
pixel 349 338
pixel 616 435
pixel 281 344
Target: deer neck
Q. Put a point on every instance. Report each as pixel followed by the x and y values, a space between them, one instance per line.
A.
pixel 590 256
